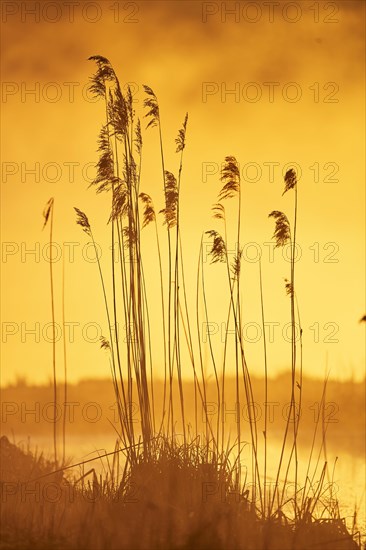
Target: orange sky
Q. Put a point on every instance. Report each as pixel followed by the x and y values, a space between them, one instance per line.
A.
pixel 171 49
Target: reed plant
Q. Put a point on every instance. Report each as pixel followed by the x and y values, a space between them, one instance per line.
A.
pixel 163 449
pixel 48 216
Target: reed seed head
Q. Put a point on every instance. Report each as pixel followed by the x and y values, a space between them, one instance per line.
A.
pixel 282 233
pixel 236 265
pixel 290 180
pixel 118 113
pixel 82 220
pixel 105 165
pixel 171 200
pixel 289 288
pixel 104 343
pixel 149 212
pixel 138 137
pixel 103 74
pixel 129 235
pixel 47 211
pixel 230 176
pixel 121 202
pixel 218 211
pixel 129 102
pixel 218 250
pixel 151 103
pixel 181 139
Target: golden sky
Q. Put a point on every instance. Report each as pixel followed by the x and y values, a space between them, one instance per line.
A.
pixel 274 88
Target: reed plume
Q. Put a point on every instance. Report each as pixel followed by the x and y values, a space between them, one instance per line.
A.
pixel 230 176
pixel 218 211
pixel 290 180
pixel 138 137
pixel 105 164
pixel 236 264
pixel 181 138
pixel 104 343
pixel 282 232
pixel 120 200
pixel 289 288
pixel 171 200
pixel 151 103
pixel 149 211
pixel 104 74
pixel 218 250
pixel 82 220
pixel 47 211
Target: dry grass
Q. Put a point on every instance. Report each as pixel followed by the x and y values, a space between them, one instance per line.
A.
pixel 180 499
